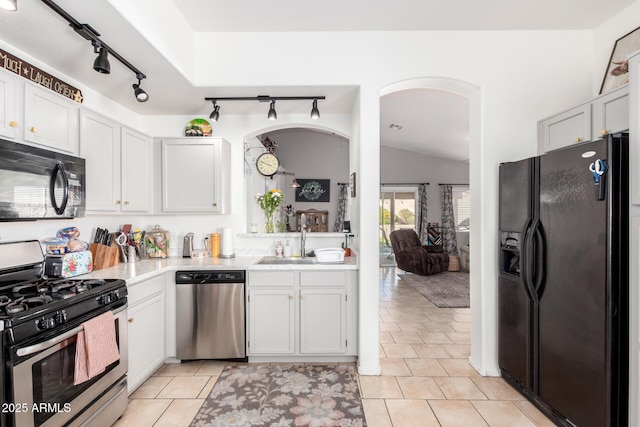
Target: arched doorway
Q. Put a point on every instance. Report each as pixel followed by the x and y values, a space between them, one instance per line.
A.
pixel 483 351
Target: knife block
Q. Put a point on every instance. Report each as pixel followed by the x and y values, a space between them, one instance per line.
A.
pixel 104 256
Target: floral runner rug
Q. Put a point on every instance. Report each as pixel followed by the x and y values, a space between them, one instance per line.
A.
pixel 283 395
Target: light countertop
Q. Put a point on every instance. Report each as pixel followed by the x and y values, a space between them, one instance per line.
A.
pixel 136 272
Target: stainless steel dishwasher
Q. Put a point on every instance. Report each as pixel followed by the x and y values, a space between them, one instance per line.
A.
pixel 210 313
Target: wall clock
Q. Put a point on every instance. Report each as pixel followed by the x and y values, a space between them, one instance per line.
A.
pixel 267 164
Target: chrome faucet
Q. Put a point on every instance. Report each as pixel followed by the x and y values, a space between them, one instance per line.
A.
pixel 303 234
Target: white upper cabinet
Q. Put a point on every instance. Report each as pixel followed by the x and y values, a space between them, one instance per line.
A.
pixel 195 175
pixel 118 162
pixel 9 121
pixel 135 156
pixel 610 113
pixel 634 129
pixel 50 120
pixel 100 147
pixel 564 129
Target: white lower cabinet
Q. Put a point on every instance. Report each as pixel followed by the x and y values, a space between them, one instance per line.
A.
pixel 147 329
pixel 323 321
pixel 271 321
pixel 302 313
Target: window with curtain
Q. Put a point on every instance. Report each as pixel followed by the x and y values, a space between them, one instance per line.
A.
pixel 461 206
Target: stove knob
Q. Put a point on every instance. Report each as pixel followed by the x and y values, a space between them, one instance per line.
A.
pixel 60 317
pixel 46 323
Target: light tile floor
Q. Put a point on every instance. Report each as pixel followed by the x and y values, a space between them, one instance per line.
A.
pixel 426 378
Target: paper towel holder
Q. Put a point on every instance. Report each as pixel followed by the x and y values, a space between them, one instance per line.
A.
pixel 227 256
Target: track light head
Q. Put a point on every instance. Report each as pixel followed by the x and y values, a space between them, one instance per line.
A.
pixel 215 114
pixel 272 111
pixel 315 113
pixel 141 95
pixel 11 5
pixel 101 64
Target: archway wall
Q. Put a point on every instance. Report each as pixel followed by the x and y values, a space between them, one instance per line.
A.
pixel 521 76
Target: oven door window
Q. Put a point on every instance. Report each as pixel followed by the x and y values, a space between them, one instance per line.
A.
pixel 52 381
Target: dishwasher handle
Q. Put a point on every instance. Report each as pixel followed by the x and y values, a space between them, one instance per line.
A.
pixel 210 276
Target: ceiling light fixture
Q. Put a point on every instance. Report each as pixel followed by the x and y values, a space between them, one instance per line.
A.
pixel 272 115
pixel 11 5
pixel 141 95
pixel 294 183
pixel 101 64
pixel 315 113
pixel 215 114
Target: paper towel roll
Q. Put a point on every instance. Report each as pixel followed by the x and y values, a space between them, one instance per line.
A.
pixel 227 242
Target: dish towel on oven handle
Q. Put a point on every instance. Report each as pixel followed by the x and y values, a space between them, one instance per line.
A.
pixel 96 348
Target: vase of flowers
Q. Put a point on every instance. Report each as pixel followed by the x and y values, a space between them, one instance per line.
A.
pixel 270 202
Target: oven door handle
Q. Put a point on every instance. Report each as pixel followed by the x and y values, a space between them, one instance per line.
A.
pixel 36 348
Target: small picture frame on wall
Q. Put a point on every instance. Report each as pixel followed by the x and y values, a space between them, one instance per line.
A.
pixel 617 73
pixel 352 184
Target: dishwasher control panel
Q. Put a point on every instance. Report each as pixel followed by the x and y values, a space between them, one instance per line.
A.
pixel 213 276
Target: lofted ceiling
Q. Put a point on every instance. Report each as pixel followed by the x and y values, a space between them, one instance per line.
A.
pixel 433 122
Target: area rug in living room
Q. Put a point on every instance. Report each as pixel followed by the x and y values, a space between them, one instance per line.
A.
pixel 283 395
pixel 446 289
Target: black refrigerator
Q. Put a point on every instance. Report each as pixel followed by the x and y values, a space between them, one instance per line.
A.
pixel 563 281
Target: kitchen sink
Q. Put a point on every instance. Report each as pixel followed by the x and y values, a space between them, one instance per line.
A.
pixel 272 260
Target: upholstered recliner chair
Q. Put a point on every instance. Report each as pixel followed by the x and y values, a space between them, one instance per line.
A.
pixel 413 257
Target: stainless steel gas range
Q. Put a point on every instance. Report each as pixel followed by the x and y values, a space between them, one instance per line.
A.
pixel 39 323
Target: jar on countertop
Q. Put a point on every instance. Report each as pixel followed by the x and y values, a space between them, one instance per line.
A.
pixel 157 243
pixel 279 249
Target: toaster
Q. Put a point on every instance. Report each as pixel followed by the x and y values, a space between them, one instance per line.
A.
pixel 329 255
pixel 68 265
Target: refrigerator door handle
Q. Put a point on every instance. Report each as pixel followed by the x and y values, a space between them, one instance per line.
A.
pixel 527 264
pixel 538 276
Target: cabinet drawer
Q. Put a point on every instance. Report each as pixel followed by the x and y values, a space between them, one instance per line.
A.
pixel 271 278
pixel 143 290
pixel 324 278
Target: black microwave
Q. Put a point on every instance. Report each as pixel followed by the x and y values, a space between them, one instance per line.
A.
pixel 40 184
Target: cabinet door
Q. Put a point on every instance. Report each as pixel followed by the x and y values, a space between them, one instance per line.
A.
pixel 146 339
pixel 323 327
pixel 189 182
pixel 100 147
pixel 136 171
pixel 271 321
pixel 50 120
pixel 565 129
pixel 8 113
pixel 610 113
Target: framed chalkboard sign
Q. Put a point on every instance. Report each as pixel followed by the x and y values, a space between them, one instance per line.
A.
pixel 313 190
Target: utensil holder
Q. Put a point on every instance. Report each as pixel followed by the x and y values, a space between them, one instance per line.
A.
pixel 104 256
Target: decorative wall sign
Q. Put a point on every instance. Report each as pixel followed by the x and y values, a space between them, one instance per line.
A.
pixel 198 127
pixel 617 73
pixel 39 77
pixel 312 190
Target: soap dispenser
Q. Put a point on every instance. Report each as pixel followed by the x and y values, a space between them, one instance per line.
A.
pixel 287 250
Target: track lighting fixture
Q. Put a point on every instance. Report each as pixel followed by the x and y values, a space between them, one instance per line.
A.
pixel 215 114
pixel 272 115
pixel 101 64
pixel 11 5
pixel 315 113
pixel 141 95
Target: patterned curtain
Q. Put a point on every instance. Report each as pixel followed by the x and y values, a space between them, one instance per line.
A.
pixel 421 218
pixel 342 207
pixel 449 240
